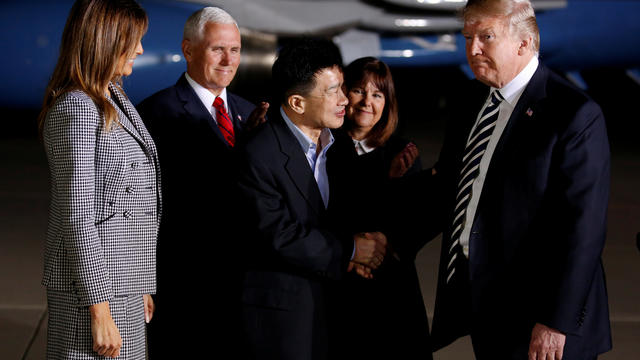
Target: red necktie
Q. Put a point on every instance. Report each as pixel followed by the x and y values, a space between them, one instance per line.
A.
pixel 224 122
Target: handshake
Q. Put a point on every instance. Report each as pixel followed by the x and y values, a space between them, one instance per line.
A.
pixel 370 250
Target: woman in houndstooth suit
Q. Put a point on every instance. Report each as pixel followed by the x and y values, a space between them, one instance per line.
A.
pixel 99 265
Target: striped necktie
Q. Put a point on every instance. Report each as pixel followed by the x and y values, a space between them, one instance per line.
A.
pixel 224 123
pixel 473 152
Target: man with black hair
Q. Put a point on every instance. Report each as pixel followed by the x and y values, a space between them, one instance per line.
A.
pixel 293 251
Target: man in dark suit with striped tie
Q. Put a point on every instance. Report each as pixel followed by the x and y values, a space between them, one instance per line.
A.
pixel 524 170
pixel 196 124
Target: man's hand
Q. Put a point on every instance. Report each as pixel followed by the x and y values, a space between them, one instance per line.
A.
pixel 546 343
pixel 370 249
pixel 106 336
pixel 403 161
pixel 149 307
pixel 361 270
pixel 257 116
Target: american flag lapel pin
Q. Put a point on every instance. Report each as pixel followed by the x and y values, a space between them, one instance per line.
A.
pixel 529 112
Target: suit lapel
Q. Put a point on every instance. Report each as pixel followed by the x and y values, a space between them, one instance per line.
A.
pixel 195 108
pixel 297 166
pixel 132 123
pixel 524 113
pixel 126 114
pixel 236 118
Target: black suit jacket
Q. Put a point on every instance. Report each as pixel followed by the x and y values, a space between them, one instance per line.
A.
pixel 388 310
pixel 293 252
pixel 539 229
pixel 198 242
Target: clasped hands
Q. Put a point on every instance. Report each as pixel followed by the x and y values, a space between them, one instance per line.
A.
pixel 370 250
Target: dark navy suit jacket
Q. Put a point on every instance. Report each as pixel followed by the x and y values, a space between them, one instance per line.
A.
pixel 539 229
pixel 293 252
pixel 199 238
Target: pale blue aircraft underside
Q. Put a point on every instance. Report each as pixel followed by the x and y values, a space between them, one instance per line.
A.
pixel 575 35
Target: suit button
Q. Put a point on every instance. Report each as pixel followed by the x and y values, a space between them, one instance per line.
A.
pixel 127 214
pixel 134 165
pixel 129 189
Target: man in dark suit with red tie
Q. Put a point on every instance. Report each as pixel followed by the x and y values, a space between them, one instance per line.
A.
pixel 524 170
pixel 196 124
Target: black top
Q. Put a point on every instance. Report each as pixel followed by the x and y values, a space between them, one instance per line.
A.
pixel 387 312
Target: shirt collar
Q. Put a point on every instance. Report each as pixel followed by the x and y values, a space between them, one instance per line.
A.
pixel 325 136
pixel 362 147
pixel 207 96
pixel 512 91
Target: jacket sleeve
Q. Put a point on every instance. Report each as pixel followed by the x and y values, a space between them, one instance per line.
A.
pixel 281 233
pixel 70 133
pixel 582 186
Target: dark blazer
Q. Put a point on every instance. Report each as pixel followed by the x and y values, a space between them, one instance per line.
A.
pixel 539 230
pixel 198 246
pixel 388 310
pixel 292 252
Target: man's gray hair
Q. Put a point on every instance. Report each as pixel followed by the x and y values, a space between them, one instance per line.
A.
pixel 194 27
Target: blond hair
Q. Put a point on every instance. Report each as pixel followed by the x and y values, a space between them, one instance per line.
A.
pixel 518 13
pixel 97 34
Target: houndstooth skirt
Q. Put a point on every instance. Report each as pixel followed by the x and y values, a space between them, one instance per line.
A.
pixel 69 327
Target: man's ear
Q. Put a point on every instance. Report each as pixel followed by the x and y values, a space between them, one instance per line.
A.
pixel 525 45
pixel 186 50
pixel 297 103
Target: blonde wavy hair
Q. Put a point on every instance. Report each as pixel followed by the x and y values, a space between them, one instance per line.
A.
pixel 97 34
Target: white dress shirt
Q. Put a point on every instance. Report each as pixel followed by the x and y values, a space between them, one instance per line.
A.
pixel 207 97
pixel 511 93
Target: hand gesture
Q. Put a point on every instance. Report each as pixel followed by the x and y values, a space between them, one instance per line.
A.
pixel 403 161
pixel 257 116
pixel 360 269
pixel 370 249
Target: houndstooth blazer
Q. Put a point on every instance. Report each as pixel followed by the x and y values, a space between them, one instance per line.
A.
pixel 105 200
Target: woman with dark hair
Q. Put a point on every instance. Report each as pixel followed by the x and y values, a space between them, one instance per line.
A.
pixel 382 315
pixel 99 265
